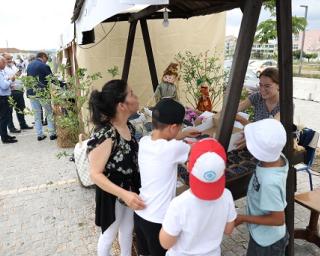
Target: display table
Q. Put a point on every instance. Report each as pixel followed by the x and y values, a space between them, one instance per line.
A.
pixel 240 163
pixel 240 167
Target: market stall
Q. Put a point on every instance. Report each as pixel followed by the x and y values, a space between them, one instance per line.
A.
pixel 240 163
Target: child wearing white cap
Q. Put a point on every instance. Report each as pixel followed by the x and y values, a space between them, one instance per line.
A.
pixel 266 196
pixel 197 219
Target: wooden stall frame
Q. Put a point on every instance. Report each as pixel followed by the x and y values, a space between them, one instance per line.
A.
pixel 251 10
pixel 284 31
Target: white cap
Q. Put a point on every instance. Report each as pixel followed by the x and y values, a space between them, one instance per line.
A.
pixel 209 167
pixel 265 139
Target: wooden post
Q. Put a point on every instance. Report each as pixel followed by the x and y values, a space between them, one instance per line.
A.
pixel 127 58
pixel 238 70
pixel 149 53
pixel 284 30
pixel 148 11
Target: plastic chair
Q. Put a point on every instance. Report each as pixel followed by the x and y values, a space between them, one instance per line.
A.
pixel 309 140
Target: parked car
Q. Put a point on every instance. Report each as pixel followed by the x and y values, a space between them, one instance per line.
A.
pixel 251 81
pixel 259 65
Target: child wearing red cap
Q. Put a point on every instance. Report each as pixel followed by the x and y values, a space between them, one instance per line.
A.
pixel 158 158
pixel 197 219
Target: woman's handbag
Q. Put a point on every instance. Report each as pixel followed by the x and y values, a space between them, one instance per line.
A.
pixel 82 162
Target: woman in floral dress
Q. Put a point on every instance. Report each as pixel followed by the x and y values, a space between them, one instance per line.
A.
pixel 113 162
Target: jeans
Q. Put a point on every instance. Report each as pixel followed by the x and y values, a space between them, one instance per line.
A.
pixel 4 117
pixel 36 105
pixel 17 97
pixel 276 249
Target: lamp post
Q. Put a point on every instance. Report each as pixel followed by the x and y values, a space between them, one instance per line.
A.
pixel 303 36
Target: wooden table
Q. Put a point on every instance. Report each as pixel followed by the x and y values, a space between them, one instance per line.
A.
pixel 310 200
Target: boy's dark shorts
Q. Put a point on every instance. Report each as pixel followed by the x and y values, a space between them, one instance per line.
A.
pixel 276 249
pixel 148 237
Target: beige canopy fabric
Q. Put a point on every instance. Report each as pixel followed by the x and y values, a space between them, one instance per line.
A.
pixel 197 34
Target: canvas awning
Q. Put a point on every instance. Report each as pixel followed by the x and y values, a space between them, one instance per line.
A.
pixel 92 13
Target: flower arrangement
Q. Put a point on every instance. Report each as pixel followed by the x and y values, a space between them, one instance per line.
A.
pixel 191 115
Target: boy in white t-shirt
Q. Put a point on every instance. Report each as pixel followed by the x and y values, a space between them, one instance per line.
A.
pixel 158 158
pixel 197 219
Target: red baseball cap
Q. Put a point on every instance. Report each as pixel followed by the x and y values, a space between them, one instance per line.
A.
pixel 207 164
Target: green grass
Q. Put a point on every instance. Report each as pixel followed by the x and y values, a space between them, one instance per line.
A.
pixel 317 76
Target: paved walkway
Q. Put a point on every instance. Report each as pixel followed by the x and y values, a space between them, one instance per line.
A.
pixel 44 210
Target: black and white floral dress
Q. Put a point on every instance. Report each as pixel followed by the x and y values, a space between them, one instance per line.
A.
pixel 121 169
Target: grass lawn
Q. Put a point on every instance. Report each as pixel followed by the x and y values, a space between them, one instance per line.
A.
pixel 311 70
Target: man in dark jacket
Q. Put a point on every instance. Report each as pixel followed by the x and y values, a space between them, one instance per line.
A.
pixel 40 70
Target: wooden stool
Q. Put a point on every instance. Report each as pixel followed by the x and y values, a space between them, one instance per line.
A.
pixel 310 200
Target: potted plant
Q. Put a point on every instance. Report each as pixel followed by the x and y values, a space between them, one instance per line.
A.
pixel 67 97
pixel 204 79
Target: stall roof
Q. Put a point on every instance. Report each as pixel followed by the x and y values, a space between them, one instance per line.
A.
pixel 177 9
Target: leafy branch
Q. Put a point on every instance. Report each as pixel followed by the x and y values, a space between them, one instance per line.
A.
pixel 199 69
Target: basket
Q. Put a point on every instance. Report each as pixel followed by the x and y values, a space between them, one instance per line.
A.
pixel 66 139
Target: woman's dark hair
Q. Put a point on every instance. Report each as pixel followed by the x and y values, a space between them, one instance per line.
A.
pixel 103 105
pixel 272 73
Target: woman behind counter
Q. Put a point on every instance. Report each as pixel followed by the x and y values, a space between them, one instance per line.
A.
pixel 265 102
pixel 113 164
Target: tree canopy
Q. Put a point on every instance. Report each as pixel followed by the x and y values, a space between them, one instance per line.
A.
pixel 267 30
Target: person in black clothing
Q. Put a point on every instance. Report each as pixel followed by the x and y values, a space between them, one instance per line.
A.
pixel 113 152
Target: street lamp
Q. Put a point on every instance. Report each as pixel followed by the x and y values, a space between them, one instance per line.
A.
pixel 303 36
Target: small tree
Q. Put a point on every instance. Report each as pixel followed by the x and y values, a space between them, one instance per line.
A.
pixel 199 69
pixel 267 30
pixel 310 56
pixel 296 54
pixel 67 98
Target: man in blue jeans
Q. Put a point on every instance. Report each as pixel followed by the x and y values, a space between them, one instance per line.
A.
pixel 40 70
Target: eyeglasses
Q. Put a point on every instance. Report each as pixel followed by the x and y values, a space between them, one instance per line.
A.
pixel 255 182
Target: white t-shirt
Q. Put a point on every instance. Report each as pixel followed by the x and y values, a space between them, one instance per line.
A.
pixel 199 224
pixel 158 163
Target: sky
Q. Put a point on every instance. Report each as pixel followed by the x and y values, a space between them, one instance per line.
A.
pixel 37 24
pixel 33 24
